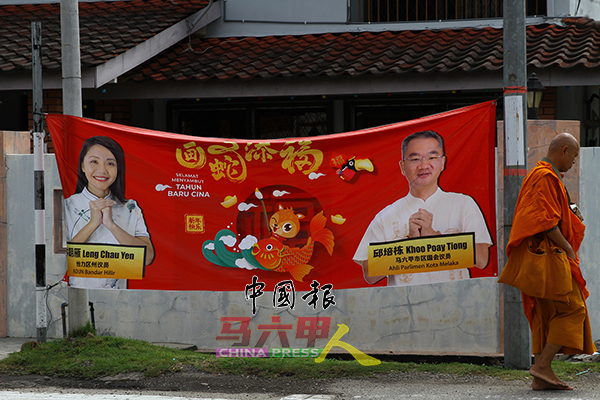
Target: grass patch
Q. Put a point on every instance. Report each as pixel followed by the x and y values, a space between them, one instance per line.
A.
pixel 569 371
pixel 87 357
pixel 92 357
pixel 84 330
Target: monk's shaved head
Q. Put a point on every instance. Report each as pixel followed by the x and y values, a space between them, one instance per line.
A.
pixel 563 150
pixel 561 140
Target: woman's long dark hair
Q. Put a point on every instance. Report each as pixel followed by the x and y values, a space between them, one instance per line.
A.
pixel 118 186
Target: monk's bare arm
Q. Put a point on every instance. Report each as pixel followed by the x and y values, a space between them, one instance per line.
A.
pixel 370 279
pixel 557 237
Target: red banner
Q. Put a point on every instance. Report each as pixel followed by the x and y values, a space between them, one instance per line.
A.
pixel 220 211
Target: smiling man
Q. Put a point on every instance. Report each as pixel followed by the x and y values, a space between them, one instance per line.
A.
pixel 426 211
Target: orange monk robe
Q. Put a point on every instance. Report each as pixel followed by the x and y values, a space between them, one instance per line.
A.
pixel 543 204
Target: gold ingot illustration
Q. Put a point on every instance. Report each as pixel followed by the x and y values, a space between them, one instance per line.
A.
pixel 338 219
pixel 229 201
pixel 364 165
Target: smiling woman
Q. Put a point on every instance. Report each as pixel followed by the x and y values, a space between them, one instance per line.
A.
pixel 100 169
pixel 98 212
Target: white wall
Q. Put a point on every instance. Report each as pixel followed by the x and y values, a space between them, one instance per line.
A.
pixel 589 254
pixel 587 8
pixel 21 302
pixel 323 11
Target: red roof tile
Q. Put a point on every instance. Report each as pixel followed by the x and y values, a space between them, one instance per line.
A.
pixel 331 55
pixel 110 28
pixel 106 29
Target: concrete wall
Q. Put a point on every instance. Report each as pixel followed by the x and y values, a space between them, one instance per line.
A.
pixel 10 143
pixel 585 8
pixel 21 304
pixel 310 11
pixel 457 318
pixel 589 254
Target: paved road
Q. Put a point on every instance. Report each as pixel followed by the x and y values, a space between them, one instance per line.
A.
pixel 10 345
pixel 403 386
pixel 79 396
pixel 18 395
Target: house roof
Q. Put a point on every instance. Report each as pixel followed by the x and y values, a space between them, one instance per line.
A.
pixel 112 34
pixel 107 29
pixel 577 43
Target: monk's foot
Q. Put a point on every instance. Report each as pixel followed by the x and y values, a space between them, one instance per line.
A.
pixel 540 384
pixel 548 376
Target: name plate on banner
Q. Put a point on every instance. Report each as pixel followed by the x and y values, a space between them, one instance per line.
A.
pixel 424 254
pixel 93 260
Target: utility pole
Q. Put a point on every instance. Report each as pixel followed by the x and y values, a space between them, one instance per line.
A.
pixel 38 179
pixel 78 314
pixel 517 346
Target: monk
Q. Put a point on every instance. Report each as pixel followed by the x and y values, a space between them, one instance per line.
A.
pixel 544 207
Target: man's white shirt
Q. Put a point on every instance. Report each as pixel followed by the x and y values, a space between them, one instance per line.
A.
pixel 452 213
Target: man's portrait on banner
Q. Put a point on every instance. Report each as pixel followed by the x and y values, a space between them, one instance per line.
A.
pixel 426 210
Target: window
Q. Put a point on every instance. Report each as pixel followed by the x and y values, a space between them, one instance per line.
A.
pixel 277 122
pixel 271 119
pixel 434 10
